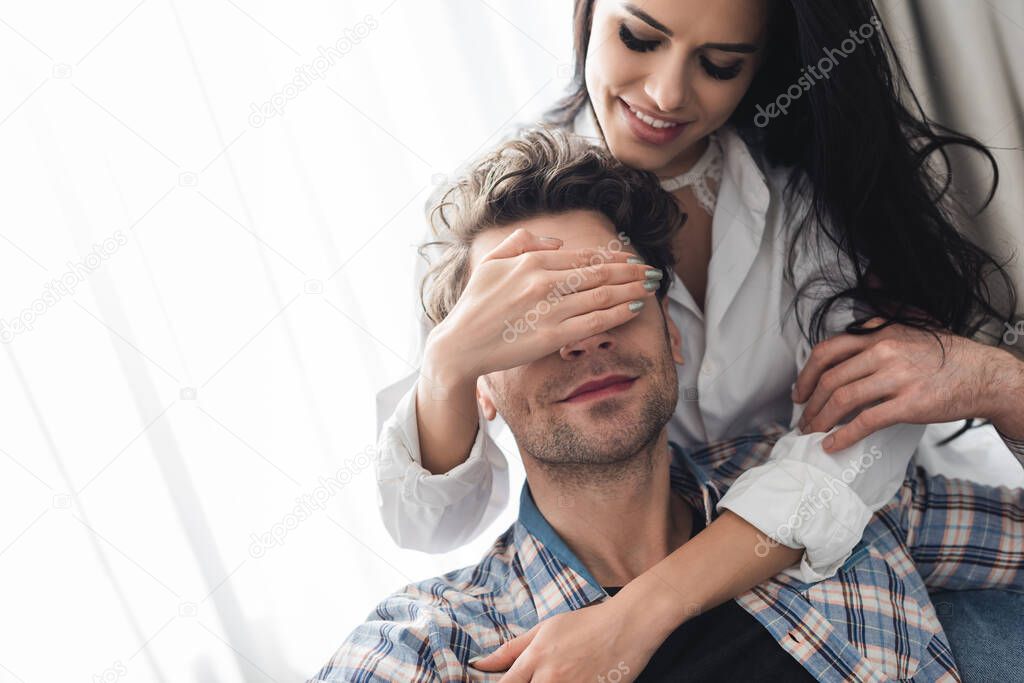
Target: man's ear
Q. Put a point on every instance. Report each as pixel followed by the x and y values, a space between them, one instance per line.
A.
pixel 675 339
pixel 484 398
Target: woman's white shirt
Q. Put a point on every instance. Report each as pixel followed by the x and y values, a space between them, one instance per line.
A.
pixel 742 355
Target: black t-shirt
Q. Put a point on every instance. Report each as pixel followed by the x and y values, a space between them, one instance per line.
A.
pixel 723 644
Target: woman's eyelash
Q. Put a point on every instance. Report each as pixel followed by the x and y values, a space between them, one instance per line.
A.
pixel 634 43
pixel 721 73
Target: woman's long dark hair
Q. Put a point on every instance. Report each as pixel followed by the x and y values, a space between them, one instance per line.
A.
pixel 865 155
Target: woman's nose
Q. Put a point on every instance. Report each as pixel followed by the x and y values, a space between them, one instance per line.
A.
pixel 668 88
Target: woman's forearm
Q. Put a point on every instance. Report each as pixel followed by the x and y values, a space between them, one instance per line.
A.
pixel 446 412
pixel 725 560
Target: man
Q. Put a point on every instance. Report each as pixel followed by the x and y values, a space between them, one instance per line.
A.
pixel 608 496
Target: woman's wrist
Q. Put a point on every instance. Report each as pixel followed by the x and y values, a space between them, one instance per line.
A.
pixel 446 368
pixel 653 607
pixel 446 410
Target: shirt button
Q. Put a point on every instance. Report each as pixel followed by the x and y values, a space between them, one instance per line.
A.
pixel 707 369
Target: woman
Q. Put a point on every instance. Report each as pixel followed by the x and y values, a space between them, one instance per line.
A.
pixel 778 127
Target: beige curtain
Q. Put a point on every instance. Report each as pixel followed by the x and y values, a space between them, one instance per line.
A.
pixel 965 59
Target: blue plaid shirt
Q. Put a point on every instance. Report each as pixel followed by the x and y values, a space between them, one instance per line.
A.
pixel 872 621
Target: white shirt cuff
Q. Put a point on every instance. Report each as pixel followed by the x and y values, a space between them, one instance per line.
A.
pixel 436 512
pixel 806 498
pixel 800 506
pixel 399 460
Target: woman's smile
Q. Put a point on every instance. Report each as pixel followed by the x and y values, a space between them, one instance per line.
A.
pixel 650 129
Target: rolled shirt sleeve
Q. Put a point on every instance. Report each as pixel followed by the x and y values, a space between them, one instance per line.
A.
pixel 803 497
pixel 435 512
pixel 424 511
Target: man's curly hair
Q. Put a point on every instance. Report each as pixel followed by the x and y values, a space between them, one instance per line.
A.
pixel 545 171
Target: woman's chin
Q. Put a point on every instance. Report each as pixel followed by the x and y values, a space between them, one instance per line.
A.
pixel 634 155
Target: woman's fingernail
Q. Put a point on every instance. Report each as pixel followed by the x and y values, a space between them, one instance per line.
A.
pixel 653 274
pixel 635 306
pixel 651 285
pixel 634 259
pixel 829 440
pixel 552 240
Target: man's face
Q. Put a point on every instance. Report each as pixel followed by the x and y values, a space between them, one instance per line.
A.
pixel 598 400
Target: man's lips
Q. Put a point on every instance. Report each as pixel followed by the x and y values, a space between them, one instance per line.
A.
pixel 599 388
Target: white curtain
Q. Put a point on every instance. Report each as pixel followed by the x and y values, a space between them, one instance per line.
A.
pixel 207 274
pixel 965 59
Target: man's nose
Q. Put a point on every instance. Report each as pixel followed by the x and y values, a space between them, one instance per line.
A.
pixel 579 349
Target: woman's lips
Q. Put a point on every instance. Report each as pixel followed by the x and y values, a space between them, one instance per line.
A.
pixel 646 132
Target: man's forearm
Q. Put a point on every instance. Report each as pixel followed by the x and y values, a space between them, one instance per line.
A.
pixel 1008 396
pixel 718 564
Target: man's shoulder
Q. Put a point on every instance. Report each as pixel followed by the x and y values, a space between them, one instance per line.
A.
pixel 458 596
pixel 721 462
pixel 432 626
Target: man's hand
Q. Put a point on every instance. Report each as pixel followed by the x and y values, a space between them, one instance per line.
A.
pixel 898 374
